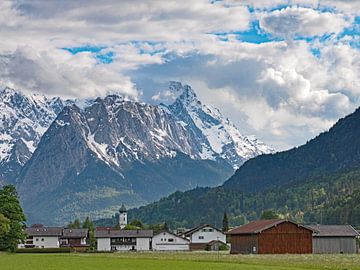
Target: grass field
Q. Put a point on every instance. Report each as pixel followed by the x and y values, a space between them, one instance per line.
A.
pixel 175 261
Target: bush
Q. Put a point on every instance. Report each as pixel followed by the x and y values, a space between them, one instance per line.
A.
pixel 223 247
pixel 44 250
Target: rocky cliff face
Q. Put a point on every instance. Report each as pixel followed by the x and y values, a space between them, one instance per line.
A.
pixel 23 120
pixel 218 136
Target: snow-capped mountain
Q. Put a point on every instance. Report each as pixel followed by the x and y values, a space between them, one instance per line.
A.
pixel 70 159
pixel 23 120
pixel 218 135
pixel 113 151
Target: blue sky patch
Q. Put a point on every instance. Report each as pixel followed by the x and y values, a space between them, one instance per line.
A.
pixel 253 35
pixel 97 51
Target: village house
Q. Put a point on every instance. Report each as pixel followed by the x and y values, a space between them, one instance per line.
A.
pixel 123 240
pixel 201 236
pixel 39 236
pixel 334 239
pixel 75 238
pixel 42 237
pixel 168 241
pixel 276 236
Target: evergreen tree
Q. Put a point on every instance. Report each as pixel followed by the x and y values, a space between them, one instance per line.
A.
pixel 88 224
pixel 75 225
pixel 12 219
pixel 225 223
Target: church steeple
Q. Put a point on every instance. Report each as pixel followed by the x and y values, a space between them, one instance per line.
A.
pixel 122 216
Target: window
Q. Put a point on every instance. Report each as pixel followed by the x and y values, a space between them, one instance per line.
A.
pixel 170 240
pixel 201 237
pixel 161 239
pixel 210 230
pixel 42 239
pixel 37 239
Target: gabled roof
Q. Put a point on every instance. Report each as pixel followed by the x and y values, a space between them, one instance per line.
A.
pixel 259 226
pixel 75 233
pixel 44 231
pixel 191 231
pixel 213 242
pixel 169 232
pixel 112 233
pixel 334 230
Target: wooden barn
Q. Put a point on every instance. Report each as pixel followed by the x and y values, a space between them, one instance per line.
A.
pixel 275 236
pixel 334 239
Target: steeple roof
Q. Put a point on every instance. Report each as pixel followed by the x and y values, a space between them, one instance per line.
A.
pixel 122 209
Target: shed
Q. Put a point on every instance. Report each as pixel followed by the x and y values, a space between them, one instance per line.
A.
pixel 275 236
pixel 334 239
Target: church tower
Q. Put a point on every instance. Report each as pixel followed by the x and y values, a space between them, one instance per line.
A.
pixel 122 217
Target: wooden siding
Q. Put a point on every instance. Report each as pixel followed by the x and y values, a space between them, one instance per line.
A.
pixel 244 244
pixel 198 246
pixel 285 238
pixel 334 245
pixel 74 241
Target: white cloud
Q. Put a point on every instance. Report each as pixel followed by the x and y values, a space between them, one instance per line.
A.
pixel 298 21
pixel 279 91
pixel 59 73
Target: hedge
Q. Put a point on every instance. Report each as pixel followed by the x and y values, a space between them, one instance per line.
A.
pixel 44 250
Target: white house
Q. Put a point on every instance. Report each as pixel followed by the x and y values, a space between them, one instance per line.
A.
pixel 123 240
pixel 202 235
pixel 168 241
pixel 42 237
pixel 39 236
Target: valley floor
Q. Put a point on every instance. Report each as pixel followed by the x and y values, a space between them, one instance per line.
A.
pixel 175 261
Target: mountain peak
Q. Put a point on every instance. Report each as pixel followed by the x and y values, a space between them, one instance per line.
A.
pixel 184 92
pixel 220 137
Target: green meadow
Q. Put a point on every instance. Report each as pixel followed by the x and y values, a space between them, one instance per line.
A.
pixel 175 261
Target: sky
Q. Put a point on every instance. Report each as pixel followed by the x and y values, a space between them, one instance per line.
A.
pixel 283 71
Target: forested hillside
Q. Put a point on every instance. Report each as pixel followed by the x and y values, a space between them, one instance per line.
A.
pixel 334 151
pixel 327 200
pixel 318 182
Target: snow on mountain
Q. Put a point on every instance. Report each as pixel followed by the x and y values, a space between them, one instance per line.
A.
pixel 24 119
pixel 119 130
pixel 220 137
